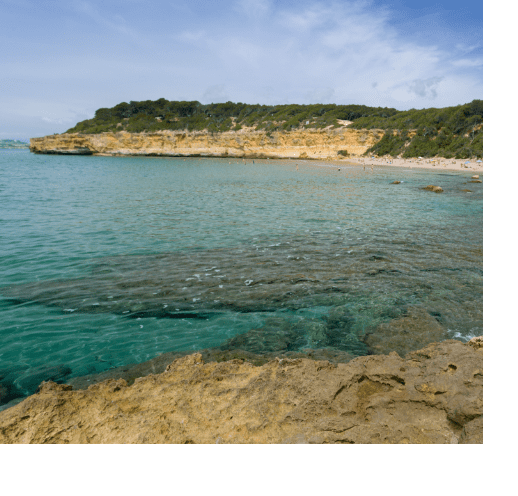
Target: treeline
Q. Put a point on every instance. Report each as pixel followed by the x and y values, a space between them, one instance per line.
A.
pixel 162 114
pixel 448 132
pixel 452 130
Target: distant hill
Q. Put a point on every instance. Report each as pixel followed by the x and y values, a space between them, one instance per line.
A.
pixel 10 144
pixel 447 132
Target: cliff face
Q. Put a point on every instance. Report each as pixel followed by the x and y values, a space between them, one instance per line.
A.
pixel 307 144
pixel 434 395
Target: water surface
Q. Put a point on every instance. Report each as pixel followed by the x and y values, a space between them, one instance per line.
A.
pixel 107 261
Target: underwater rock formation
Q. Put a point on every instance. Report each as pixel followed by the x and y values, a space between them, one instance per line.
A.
pixel 409 332
pixel 435 189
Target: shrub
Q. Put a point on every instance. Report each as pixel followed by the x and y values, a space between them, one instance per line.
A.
pixel 438 130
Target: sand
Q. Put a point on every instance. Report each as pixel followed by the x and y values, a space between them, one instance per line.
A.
pixel 428 163
pixel 438 164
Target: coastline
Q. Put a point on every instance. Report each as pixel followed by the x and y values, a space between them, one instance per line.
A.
pixel 437 164
pixel 382 399
pixel 434 164
pixel 336 146
pixel 288 168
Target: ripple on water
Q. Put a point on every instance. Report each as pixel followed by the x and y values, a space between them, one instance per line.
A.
pixel 112 261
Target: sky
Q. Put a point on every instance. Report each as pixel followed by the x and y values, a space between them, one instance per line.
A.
pixel 60 60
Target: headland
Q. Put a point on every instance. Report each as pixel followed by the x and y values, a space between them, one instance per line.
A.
pixel 314 132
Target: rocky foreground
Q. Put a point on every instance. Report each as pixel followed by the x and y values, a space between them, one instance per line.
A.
pixel 433 395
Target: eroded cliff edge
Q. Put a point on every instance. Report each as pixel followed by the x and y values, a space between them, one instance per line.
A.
pixel 433 395
pixel 320 144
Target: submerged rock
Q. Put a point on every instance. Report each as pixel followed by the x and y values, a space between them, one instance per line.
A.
pixel 432 396
pixel 31 380
pixel 277 335
pixel 8 391
pixel 407 333
pixel 435 189
pixel 396 182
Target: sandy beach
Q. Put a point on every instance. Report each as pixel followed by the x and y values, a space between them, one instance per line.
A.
pixel 438 164
pixel 464 165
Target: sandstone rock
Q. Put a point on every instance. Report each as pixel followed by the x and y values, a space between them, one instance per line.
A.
pixel 476 176
pixel 304 144
pixel 158 364
pixel 472 432
pixel 432 396
pixel 477 342
pixel 409 332
pixel 435 189
pixel 475 181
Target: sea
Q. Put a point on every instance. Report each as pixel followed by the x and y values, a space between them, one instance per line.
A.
pixel 110 261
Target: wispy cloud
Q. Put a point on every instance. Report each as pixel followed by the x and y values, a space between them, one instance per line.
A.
pixel 425 87
pixel 115 22
pixel 97 54
pixel 476 62
pixel 216 94
pixel 253 9
pixel 324 51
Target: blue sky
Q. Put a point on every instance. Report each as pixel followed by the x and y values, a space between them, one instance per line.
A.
pixel 62 59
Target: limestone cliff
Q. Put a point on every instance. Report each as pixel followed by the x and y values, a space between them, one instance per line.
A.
pixel 304 144
pixel 433 395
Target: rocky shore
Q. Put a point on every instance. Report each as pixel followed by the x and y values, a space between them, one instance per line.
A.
pixel 322 144
pixel 330 145
pixel 433 395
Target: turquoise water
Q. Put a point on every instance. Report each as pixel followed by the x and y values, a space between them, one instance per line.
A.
pixel 107 261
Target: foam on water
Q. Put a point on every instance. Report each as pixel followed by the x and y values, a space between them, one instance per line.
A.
pixel 110 261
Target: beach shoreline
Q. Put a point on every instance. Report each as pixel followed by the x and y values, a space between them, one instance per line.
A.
pixel 342 146
pixel 438 164
pixel 435 164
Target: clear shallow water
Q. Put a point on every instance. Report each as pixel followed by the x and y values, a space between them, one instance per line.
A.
pixel 110 261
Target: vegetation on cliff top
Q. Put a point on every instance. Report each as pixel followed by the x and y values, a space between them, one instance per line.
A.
pixel 448 132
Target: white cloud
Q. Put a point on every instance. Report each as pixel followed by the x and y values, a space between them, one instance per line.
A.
pixel 115 23
pixel 254 9
pixel 215 94
pixel 476 62
pixel 425 87
pixel 320 52
pixel 254 51
pixel 325 95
